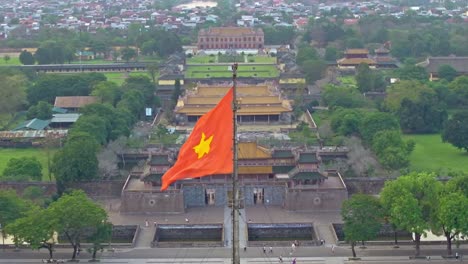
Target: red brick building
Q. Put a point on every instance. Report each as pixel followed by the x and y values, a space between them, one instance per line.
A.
pixel 230 38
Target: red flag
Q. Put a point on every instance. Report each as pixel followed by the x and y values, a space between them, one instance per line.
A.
pixel 208 149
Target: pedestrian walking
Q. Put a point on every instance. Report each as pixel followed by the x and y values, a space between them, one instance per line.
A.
pixel 281 259
pixel 264 250
pixel 187 221
pixel 245 249
pixel 333 248
pixel 293 247
pixel 146 223
pixel 271 249
pixel 294 261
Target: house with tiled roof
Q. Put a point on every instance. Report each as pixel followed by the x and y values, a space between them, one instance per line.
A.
pixel 432 65
pixel 354 57
pixel 261 103
pixel 33 124
pixel 74 103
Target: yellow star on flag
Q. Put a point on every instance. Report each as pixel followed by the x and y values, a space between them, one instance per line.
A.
pixel 203 147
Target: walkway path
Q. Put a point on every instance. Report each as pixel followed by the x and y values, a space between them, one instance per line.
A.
pixel 228 228
pixel 145 236
pixel 324 231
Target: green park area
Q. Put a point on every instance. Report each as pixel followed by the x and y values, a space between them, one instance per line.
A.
pixel 119 77
pixel 40 154
pixel 431 154
pixel 10 61
pixel 206 59
pixel 224 71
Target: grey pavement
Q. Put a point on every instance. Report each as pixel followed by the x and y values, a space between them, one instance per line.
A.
pixel 145 236
pixel 299 260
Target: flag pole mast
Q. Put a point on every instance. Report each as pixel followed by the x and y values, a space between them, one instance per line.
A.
pixel 235 178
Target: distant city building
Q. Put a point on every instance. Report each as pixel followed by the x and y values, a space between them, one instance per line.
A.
pixel 230 38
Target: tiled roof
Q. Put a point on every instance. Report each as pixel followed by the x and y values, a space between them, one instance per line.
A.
pixel 356 51
pixel 355 61
pixel 432 64
pixel 282 153
pixel 250 150
pixel 307 158
pixel 255 170
pixel 74 101
pixel 33 124
pixel 159 160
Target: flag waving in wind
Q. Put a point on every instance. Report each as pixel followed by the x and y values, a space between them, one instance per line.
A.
pixel 208 149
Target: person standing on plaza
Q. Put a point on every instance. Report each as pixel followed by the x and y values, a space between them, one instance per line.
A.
pixel 271 249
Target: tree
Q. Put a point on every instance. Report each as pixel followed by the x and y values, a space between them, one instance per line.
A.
pixel 133 101
pixel 423 115
pixel 459 89
pixel 364 78
pixel 24 167
pixel 12 93
pixel 6 58
pixel 101 235
pixel 12 207
pixel 410 201
pixel 128 54
pixel 76 161
pixel 74 214
pixel 411 90
pixel 26 58
pixel 94 125
pixel 120 120
pixel 144 85
pixel 37 229
pixel 456 130
pixel 305 53
pixel 412 72
pixel 108 92
pixel 35 194
pixel 362 216
pixel 392 151
pixel 458 183
pixel 346 122
pixel 343 96
pixel 375 122
pixel 42 110
pixel 153 71
pixel 368 80
pixel 331 54
pixel 451 216
pixel 447 72
pixel 314 70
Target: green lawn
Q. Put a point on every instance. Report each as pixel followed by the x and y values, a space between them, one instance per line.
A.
pixel 348 81
pixel 223 71
pixel 262 59
pixel 119 77
pixel 11 62
pixel 431 154
pixel 7 153
pixel 202 59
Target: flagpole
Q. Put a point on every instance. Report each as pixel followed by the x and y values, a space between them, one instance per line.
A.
pixel 235 178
